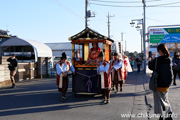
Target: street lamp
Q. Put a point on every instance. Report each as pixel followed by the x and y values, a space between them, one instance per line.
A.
pixel 132 24
pixel 137 28
pixel 140 22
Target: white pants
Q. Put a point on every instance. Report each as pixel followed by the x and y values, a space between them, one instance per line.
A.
pixel 161 103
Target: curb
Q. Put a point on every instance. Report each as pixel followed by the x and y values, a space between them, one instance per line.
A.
pixel 141 105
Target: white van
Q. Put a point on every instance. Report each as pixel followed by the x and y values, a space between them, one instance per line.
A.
pixel 57 58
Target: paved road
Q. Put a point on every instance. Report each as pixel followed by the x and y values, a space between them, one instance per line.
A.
pixel 173 98
pixel 39 100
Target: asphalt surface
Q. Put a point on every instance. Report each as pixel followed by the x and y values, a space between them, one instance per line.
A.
pixel 173 97
pixel 40 100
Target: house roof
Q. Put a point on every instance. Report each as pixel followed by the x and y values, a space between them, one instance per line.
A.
pixel 60 46
pixel 3 34
pixel 59 53
pixel 89 34
pixel 40 49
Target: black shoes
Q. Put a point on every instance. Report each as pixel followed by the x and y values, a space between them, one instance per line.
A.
pixel 13 86
pixel 112 89
pixel 106 101
pixel 116 92
pixel 169 116
pixel 121 90
pixel 174 84
pixel 63 99
pixel 160 118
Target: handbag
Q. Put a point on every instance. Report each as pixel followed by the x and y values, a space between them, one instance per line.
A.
pixel 153 80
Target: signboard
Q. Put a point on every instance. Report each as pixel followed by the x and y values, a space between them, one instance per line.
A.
pixel 164 35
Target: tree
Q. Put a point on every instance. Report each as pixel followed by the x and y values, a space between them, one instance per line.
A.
pixel 132 55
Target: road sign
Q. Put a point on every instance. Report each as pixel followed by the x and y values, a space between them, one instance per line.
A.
pixel 164 35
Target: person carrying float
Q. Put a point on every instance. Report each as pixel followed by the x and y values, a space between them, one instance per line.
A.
pixel 104 71
pixel 112 72
pixel 62 80
pixel 127 67
pixel 93 53
pixel 118 72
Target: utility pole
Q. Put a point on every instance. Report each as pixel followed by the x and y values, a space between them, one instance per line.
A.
pixel 141 33
pixel 109 24
pixel 125 47
pixel 122 42
pixel 141 44
pixel 86 18
pixel 144 33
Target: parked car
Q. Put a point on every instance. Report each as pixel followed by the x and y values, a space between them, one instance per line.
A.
pixel 57 58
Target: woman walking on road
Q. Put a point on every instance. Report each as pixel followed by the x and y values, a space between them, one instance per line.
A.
pixel 164 80
pixel 176 66
pixel 118 68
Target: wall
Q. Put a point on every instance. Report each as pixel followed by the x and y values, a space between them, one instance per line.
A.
pixel 4 72
pixel 25 71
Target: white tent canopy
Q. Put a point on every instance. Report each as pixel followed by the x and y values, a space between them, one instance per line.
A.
pixel 40 49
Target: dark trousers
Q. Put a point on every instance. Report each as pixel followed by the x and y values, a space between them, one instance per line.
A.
pixel 116 81
pixel 106 93
pixel 64 88
pixel 139 69
pixel 175 72
pixel 132 66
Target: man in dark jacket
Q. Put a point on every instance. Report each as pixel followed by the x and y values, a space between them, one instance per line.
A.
pixel 13 68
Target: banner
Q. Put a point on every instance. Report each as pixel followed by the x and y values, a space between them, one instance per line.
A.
pixel 164 35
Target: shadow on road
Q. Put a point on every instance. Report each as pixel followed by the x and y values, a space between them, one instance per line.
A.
pixel 42 96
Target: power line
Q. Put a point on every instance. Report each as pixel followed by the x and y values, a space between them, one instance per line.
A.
pixel 122 17
pixel 153 0
pixel 160 5
pixel 113 5
pixel 163 4
pixel 115 1
pixel 122 1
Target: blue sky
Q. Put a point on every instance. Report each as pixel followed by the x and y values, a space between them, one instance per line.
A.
pixel 51 21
